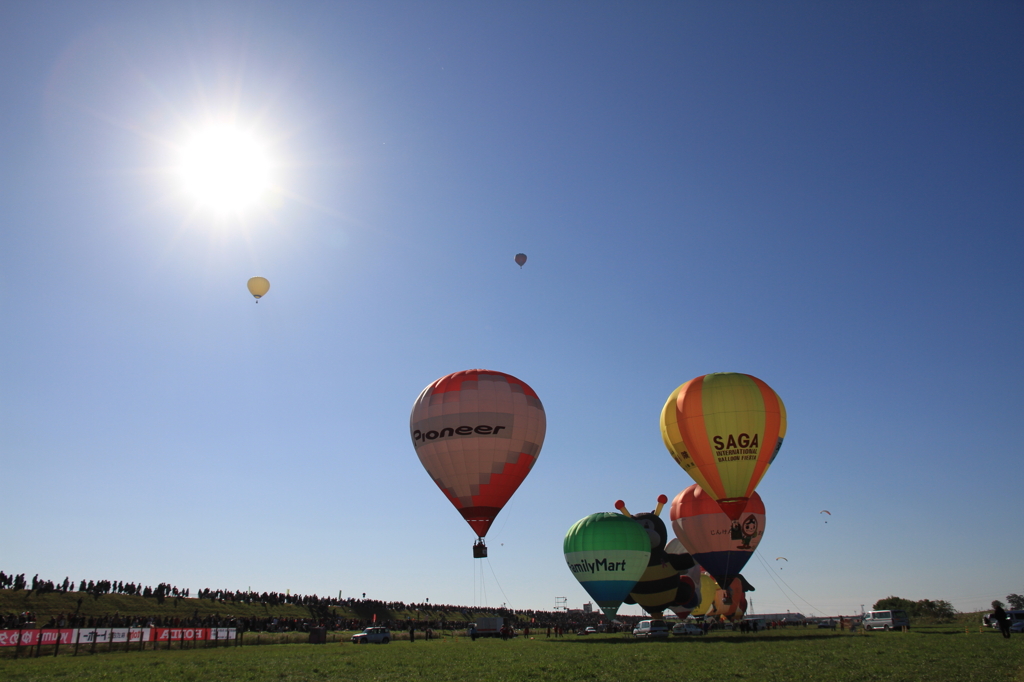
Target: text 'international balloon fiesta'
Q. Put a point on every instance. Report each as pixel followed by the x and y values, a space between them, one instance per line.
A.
pixel 719 544
pixel 725 430
pixel 607 553
pixel 478 433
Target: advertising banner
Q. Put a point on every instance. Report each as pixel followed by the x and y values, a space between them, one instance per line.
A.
pixel 114 635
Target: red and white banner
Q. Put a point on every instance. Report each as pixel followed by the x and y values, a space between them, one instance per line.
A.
pixel 113 635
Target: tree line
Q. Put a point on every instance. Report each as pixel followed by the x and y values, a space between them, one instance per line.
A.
pixel 925 608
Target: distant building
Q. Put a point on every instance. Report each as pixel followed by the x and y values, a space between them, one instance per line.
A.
pixel 781 617
pixel 588 608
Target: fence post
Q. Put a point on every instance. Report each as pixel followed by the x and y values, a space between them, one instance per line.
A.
pixel 17 648
pixel 39 641
pixel 93 650
pixel 56 646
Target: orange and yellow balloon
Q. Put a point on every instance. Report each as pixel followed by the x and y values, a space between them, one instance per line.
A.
pixel 725 430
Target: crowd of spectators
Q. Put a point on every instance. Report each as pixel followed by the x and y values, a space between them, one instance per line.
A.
pixel 323 610
pixel 94 588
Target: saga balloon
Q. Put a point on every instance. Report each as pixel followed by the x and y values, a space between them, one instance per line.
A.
pixel 607 553
pixel 725 430
pixel 258 287
pixel 719 544
pixel 478 433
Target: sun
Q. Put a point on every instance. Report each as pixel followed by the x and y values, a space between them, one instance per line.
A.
pixel 225 169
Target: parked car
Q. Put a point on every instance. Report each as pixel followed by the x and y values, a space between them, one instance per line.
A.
pixel 650 629
pixel 1015 616
pixel 886 620
pixel 687 629
pixel 372 635
pixel 1018 626
pixel 590 631
pixel 827 624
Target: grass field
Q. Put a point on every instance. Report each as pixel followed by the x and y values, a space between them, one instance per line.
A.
pixel 931 653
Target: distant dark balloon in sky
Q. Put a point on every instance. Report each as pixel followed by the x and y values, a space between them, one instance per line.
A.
pixel 520 259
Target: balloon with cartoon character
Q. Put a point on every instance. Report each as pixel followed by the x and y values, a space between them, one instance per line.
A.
pixel 719 544
pixel 731 603
pixel 659 587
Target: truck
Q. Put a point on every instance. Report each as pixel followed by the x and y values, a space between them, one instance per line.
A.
pixel 487 627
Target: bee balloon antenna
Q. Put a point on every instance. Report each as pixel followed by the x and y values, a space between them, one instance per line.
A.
pixel 621 506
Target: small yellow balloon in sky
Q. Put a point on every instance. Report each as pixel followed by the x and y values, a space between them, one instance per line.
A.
pixel 258 287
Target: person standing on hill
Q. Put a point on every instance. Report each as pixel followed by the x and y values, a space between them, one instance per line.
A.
pixel 1000 617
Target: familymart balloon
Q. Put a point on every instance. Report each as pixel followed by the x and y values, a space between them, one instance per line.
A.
pixel 607 553
pixel 478 433
pixel 725 430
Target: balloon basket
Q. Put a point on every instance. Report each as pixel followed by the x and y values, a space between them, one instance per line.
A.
pixel 479 550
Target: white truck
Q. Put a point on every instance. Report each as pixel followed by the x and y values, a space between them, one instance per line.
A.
pixel 487 627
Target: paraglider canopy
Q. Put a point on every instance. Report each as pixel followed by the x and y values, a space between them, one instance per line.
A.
pixel 258 287
pixel 520 259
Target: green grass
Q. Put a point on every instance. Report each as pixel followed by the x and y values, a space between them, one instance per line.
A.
pixel 929 653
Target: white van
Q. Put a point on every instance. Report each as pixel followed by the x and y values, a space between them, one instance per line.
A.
pixel 886 620
pixel 651 629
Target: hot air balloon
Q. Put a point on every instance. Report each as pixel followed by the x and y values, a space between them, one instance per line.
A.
pixel 689 582
pixel 607 553
pixel 725 430
pixel 708 587
pixel 731 602
pixel 520 260
pixel 719 544
pixel 258 287
pixel 478 434
pixel 659 586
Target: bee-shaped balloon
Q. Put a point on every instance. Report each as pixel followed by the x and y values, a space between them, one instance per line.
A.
pixel 660 586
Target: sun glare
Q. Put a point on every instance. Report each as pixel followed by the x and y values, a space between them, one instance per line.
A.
pixel 225 169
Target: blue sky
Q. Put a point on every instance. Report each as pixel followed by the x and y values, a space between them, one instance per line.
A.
pixel 827 196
